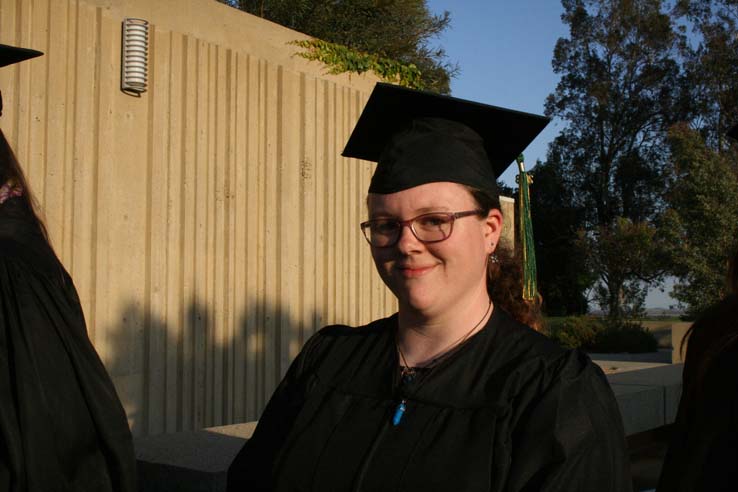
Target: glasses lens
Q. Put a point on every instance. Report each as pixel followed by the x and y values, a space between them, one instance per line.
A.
pixel 382 232
pixel 433 227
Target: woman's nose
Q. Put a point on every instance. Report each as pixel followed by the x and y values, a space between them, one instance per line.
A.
pixel 407 241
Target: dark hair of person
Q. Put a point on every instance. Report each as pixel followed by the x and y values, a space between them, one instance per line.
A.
pixel 505 276
pixel 713 333
pixel 10 170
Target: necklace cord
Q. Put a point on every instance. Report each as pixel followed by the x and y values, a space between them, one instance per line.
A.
pixel 407 373
pixel 407 370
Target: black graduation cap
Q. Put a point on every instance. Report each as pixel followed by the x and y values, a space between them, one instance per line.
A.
pixel 419 137
pixel 12 54
pixel 733 132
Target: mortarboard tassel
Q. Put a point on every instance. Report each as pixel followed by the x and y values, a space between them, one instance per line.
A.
pixel 525 226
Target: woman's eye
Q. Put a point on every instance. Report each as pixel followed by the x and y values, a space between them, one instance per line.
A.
pixel 432 220
pixel 384 227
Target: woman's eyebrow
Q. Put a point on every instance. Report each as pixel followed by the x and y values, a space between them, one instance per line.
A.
pixel 437 208
pixel 381 214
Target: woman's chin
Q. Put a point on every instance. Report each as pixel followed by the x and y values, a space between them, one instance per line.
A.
pixel 418 303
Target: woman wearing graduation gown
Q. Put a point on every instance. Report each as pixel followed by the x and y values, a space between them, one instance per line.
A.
pixel 453 392
pixel 703 453
pixel 62 427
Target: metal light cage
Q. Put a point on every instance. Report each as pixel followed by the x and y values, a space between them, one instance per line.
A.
pixel 134 56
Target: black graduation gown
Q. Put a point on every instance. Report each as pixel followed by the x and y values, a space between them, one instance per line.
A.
pixel 509 411
pixel 703 453
pixel 62 427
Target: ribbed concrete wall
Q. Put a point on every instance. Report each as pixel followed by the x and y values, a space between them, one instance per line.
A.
pixel 210 225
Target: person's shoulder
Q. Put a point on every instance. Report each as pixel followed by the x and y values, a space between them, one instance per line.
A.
pixel 537 358
pixel 346 337
pixel 541 368
pixel 15 254
pixel 11 245
pixel 23 246
pixel 31 259
pixel 354 334
pixel 336 343
pixel 520 341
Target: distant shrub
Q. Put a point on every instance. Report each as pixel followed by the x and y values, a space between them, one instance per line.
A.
pixel 575 331
pixel 624 337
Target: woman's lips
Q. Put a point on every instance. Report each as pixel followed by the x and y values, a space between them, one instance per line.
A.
pixel 414 271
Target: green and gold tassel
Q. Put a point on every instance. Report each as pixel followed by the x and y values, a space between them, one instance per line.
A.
pixel 525 226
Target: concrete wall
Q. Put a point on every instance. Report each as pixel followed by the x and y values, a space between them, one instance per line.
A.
pixel 210 225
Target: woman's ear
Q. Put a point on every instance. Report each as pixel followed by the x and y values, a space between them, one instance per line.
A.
pixel 493 229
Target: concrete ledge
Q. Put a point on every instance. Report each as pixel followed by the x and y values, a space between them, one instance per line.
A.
pixel 641 407
pixel 678 331
pixel 648 398
pixel 610 367
pixel 662 356
pixel 189 461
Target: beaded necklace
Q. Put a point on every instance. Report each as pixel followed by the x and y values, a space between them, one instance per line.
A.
pixel 408 373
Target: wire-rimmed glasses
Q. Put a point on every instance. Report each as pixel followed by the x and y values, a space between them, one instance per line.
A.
pixel 427 228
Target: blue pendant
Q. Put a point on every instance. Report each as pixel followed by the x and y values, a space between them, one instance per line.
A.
pixel 399 412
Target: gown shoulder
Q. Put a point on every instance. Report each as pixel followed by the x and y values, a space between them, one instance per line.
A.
pixel 61 423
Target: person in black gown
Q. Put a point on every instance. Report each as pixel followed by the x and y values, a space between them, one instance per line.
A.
pixel 703 452
pixel 454 392
pixel 62 427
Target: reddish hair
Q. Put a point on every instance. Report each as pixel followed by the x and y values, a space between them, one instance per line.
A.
pixel 505 276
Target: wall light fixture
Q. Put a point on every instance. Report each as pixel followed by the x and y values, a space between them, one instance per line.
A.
pixel 134 56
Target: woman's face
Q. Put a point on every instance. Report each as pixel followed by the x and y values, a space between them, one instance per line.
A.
pixel 429 278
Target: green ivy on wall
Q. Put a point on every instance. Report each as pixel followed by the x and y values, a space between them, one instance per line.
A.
pixel 341 59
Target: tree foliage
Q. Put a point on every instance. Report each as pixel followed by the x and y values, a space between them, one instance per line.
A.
pixel 711 64
pixel 595 335
pixel 703 197
pixel 703 219
pixel 341 59
pixel 618 92
pixel 398 30
pixel 647 91
pixel 630 255
pixel 620 89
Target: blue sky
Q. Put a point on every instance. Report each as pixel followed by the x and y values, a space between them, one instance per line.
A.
pixel 504 50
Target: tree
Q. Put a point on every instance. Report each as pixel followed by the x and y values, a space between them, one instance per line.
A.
pixel 703 218
pixel 399 30
pixel 630 255
pixel 703 197
pixel 620 89
pixel 712 66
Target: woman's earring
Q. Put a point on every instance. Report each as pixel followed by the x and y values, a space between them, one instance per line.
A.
pixel 493 257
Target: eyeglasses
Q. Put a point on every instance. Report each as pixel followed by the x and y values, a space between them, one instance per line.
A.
pixel 427 228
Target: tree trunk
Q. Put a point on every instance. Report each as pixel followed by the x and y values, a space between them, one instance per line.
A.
pixel 615 299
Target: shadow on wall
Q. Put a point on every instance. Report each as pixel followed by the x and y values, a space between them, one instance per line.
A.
pixel 204 369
